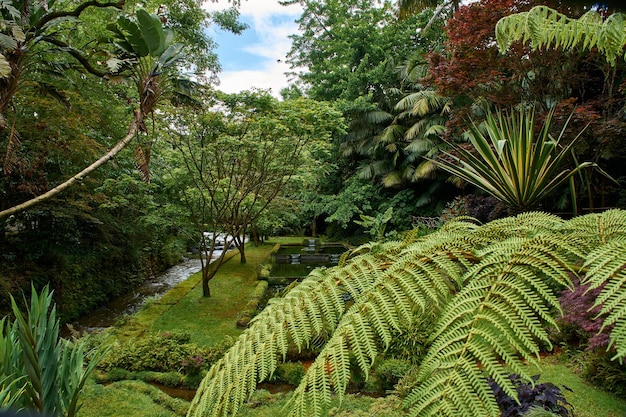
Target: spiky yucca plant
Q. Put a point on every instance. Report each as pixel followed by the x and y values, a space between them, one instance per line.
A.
pixel 514 162
pixel 493 288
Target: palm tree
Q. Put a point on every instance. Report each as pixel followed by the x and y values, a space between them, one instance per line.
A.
pixel 397 152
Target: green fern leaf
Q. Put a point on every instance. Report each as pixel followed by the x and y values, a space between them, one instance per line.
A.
pixel 606 269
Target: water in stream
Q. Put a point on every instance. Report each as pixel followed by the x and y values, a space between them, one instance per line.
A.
pixel 130 302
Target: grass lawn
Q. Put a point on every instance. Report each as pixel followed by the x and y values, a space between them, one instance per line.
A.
pixel 208 320
pixel 587 400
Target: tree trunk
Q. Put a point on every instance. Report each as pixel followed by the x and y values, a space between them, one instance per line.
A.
pixel 314 226
pixel 132 131
pixel 209 270
pixel 206 291
pixel 242 252
pixel 255 237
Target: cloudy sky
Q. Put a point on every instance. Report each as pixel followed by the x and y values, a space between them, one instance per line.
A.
pixel 256 57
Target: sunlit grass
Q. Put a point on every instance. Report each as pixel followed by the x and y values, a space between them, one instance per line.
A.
pixel 588 401
pixel 211 319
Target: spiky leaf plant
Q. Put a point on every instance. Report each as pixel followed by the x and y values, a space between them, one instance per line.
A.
pixel 492 287
pixel 513 162
pixel 49 373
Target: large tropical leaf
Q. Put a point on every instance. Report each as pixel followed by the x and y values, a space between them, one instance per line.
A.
pixel 133 37
pixel 5 68
pixel 151 32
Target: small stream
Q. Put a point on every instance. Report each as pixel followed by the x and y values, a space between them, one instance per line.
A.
pixel 131 302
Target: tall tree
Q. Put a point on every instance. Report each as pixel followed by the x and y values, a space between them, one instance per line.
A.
pixel 349 48
pixel 237 163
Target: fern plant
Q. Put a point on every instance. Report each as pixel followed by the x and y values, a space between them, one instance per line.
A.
pixel 545 27
pixel 493 288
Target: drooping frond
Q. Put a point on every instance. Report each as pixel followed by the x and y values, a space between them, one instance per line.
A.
pixel 422 277
pixel 313 307
pixel 545 27
pixel 606 269
pixel 317 306
pixel 492 288
pixel 496 319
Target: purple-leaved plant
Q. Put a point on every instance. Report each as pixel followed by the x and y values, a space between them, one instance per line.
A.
pixel 578 315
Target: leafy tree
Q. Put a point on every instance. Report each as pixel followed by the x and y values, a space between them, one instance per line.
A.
pixel 149 52
pixel 238 163
pixel 349 48
pixel 492 289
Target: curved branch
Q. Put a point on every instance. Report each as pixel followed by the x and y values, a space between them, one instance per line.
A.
pixel 132 132
pixel 78 56
pixel 76 12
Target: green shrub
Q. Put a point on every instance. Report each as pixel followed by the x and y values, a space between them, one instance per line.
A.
pixel 262 397
pixel 601 371
pixel 192 381
pixel 265 271
pixel 156 352
pixel 289 373
pixel 117 374
pixel 411 342
pixel 389 406
pixel 407 383
pixel 178 336
pixel 169 379
pixel 390 371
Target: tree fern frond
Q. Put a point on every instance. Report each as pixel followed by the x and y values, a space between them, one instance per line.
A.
pixel 296 318
pixel 506 296
pixel 491 287
pixel 545 27
pixel 606 269
pixel 366 327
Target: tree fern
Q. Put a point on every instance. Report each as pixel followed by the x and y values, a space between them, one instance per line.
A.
pixel 492 288
pixel 490 327
pixel 545 27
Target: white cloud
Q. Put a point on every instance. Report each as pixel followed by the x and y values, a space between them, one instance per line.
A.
pixel 272 24
pixel 269 76
pixel 255 7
